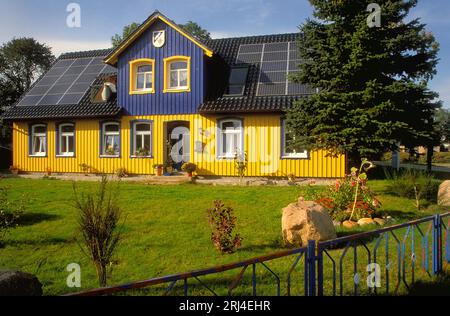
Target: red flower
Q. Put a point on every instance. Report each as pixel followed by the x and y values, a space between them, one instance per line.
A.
pixel 337 185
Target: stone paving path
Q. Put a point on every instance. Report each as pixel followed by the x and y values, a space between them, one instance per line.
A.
pixel 178 179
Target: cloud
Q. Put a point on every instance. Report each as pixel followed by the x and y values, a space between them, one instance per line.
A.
pixel 59 46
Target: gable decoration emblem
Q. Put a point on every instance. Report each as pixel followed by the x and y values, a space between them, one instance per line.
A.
pixel 159 38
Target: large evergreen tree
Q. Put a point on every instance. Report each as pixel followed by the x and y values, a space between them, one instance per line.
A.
pixel 372 82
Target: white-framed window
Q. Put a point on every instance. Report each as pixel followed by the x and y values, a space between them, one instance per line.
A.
pixel 142 139
pixel 231 138
pixel 111 139
pixel 142 76
pixel 38 140
pixel 177 74
pixel 66 140
pixel 289 151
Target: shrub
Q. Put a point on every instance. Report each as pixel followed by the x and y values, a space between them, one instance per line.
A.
pixel 241 165
pixel 413 184
pixel 223 224
pixel 98 222
pixel 121 173
pixel 10 213
pixel 189 167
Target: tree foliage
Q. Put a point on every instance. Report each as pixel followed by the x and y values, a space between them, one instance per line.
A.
pixel 372 82
pixel 22 61
pixel 126 31
pixel 190 27
pixel 443 124
pixel 196 30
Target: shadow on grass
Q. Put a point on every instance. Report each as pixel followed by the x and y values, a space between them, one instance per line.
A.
pixel 276 245
pixel 43 242
pixel 29 219
pixel 438 287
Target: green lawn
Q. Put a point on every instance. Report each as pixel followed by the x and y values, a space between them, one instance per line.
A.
pixel 165 232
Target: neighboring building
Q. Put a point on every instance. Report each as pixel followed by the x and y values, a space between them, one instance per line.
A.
pixel 163 90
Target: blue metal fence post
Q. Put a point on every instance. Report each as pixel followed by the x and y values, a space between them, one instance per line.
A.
pixel 319 271
pixel 437 245
pixel 311 259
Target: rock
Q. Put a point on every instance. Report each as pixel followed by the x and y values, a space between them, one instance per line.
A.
pixel 16 283
pixel 380 221
pixel 366 221
pixel 390 220
pixel 304 221
pixel 444 194
pixel 337 223
pixel 350 224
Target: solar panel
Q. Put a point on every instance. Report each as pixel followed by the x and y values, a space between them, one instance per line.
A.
pixel 276 62
pixel 66 82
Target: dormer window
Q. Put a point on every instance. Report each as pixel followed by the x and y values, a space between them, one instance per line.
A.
pixel 142 76
pixel 177 74
pixel 237 81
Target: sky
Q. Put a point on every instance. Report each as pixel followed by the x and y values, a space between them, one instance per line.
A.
pixel 45 20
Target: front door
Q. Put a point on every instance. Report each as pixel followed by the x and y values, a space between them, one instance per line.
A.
pixel 179 141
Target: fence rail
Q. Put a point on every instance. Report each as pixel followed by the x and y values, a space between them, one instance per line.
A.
pixel 409 239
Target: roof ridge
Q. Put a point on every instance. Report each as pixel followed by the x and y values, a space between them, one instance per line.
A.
pixel 99 52
pixel 254 36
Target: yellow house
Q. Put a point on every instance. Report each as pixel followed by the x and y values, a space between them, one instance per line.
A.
pixel 163 97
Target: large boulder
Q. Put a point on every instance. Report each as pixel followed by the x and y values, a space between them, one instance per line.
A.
pixel 15 283
pixel 444 194
pixel 306 220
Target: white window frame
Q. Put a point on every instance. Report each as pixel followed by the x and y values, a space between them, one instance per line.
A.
pixel 105 134
pixel 239 131
pixel 43 145
pixel 142 134
pixel 293 155
pixel 64 137
pixel 178 72
pixel 145 73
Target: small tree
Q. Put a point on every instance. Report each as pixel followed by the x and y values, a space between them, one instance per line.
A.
pixel 241 165
pixel 223 224
pixel 98 221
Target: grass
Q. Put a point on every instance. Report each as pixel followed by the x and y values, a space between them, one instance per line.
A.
pixel 165 232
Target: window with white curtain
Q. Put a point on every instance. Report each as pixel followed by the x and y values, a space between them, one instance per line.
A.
pixel 66 140
pixel 231 138
pixel 178 75
pixel 111 139
pixel 39 140
pixel 289 150
pixel 142 141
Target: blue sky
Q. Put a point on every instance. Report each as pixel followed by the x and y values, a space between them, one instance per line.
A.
pixel 45 20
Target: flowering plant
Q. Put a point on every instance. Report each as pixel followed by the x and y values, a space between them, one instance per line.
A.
pixel 351 198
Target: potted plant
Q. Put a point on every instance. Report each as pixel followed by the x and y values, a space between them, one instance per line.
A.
pixel 49 171
pixel 14 170
pixel 190 168
pixel 142 152
pixel 159 169
pixel 85 169
pixel 168 167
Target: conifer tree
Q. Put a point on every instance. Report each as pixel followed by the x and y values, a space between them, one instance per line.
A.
pixel 372 81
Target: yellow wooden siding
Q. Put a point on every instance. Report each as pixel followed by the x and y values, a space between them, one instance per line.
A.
pixel 262 143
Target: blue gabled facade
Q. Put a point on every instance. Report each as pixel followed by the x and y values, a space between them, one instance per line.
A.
pixel 160 102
